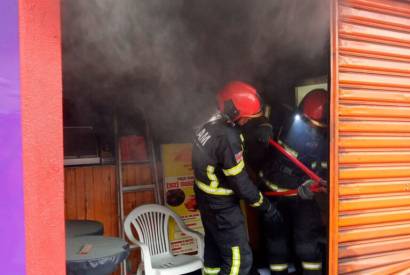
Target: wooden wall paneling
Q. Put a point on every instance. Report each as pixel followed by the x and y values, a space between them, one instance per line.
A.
pixel 85 177
pixel 101 199
pixel 81 176
pixel 90 193
pixel 69 193
pixel 113 209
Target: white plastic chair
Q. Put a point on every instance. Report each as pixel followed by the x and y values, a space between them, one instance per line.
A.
pixel 150 221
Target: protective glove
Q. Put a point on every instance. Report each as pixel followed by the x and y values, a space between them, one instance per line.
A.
pixel 264 132
pixel 304 190
pixel 322 186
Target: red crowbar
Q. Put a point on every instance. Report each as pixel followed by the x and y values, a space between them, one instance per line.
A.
pixel 314 187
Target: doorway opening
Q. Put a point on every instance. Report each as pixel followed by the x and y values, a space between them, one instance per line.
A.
pixel 139 74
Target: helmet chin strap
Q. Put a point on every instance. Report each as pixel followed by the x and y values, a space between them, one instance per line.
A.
pixel 230 110
pixel 229 120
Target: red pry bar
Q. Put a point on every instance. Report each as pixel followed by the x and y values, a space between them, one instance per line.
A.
pixel 314 187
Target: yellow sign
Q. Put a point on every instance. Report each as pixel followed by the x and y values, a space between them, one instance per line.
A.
pixel 179 194
pixel 176 159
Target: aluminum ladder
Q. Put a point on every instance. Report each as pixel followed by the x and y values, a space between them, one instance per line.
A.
pixel 121 189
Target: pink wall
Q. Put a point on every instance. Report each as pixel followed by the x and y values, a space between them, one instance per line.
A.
pixel 41 99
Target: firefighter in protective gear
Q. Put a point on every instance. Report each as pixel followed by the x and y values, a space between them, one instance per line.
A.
pixel 221 181
pixel 305 137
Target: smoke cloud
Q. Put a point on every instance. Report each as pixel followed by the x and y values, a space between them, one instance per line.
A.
pixel 170 57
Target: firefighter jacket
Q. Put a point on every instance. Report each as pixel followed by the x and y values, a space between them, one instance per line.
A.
pixel 221 179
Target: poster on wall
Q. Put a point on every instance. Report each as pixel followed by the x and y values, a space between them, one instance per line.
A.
pixel 179 194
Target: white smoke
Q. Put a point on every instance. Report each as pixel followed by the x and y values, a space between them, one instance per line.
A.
pixel 171 56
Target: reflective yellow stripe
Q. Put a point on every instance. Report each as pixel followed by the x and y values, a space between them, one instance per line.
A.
pixel 270 185
pixel 211 270
pixel 288 149
pixel 282 190
pixel 236 260
pixel 259 202
pixel 312 265
pixel 242 138
pixel 323 165
pixel 274 187
pixel 234 170
pixel 213 191
pixel 278 267
pixel 211 176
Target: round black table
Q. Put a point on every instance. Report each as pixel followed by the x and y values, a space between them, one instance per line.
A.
pixel 76 228
pixel 103 257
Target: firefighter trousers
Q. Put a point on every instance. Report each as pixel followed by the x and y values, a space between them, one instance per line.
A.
pixel 227 250
pixel 297 239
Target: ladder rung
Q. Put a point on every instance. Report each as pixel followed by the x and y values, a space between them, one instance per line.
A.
pixel 137 187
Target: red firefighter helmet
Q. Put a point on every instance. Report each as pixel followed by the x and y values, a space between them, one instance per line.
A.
pixel 314 107
pixel 238 99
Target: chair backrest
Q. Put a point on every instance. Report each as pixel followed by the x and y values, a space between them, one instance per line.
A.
pixel 150 221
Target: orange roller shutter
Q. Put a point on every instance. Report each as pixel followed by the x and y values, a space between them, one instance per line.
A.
pixel 370 137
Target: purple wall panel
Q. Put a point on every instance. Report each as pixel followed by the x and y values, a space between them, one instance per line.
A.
pixel 12 238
